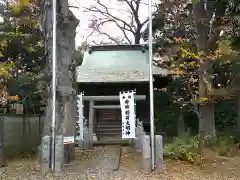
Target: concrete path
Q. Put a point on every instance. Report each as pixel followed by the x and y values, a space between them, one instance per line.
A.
pixel 108 160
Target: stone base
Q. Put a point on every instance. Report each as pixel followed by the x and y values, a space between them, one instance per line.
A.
pixel 159 152
pixel 2 171
pixel 45 152
pixel 59 154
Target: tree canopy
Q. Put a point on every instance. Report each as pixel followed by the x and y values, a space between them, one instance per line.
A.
pixel 21 48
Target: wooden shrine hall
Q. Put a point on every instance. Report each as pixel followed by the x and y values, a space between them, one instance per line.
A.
pixel 104 72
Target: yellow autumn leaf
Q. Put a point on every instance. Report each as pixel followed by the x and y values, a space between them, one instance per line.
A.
pixel 17 98
pixel 163 89
pixel 16 9
pixel 24 2
pixel 203 99
pixel 181 65
pixel 5 70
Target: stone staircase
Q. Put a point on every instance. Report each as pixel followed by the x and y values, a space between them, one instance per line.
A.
pixel 110 125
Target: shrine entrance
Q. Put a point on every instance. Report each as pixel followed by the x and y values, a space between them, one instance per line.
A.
pixel 103 115
pixel 108 124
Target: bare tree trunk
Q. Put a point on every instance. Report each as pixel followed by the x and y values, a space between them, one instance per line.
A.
pixel 65 102
pixel 137 36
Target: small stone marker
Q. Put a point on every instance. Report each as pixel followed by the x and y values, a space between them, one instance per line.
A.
pixel 2 171
pixel 86 137
pixel 139 134
pixel 159 152
pixel 1 154
pixel 146 154
pixel 45 154
pixel 59 155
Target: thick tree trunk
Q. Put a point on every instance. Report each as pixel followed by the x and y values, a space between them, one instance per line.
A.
pixel 207 112
pixel 181 125
pixel 65 103
pixel 207 120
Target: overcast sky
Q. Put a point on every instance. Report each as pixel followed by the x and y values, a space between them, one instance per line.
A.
pixel 117 8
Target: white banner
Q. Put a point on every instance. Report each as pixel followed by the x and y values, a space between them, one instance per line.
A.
pixel 127 104
pixel 80 117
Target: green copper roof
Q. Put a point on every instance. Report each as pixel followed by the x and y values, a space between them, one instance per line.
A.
pixel 116 64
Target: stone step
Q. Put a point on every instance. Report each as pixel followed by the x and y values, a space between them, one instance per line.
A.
pixel 115 128
pixel 117 137
pixel 110 124
pixel 107 114
pixel 112 142
pixel 110 130
pixel 109 119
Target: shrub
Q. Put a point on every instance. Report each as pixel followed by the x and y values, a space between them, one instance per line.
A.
pixel 223 145
pixel 185 149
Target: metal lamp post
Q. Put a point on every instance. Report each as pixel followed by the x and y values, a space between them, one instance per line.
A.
pixel 54 54
pixel 150 39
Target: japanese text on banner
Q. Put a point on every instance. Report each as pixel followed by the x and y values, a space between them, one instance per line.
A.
pixel 128 114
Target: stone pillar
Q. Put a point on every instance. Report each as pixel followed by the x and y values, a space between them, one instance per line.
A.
pixel 86 136
pixel 146 155
pixel 80 121
pixel 45 155
pixel 159 152
pixel 59 155
pixel 139 134
pixel 90 124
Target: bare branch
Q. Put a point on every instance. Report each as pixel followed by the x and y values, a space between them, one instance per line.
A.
pixel 108 14
pixel 133 27
pixel 96 25
pixel 115 40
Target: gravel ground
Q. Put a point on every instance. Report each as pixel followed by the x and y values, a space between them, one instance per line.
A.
pixel 130 169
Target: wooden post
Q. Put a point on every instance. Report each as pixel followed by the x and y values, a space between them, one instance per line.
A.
pixel 146 154
pixel 159 152
pixel 91 118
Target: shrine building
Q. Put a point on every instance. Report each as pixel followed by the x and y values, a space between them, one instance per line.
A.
pixel 104 72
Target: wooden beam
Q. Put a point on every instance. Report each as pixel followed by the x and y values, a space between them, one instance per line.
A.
pixel 110 98
pixel 91 118
pixel 107 107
